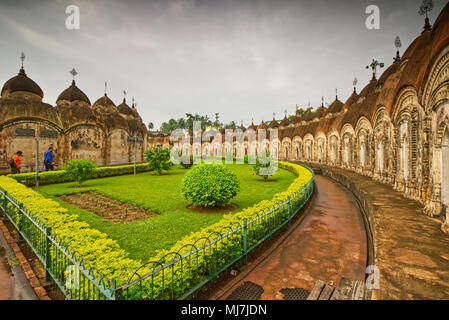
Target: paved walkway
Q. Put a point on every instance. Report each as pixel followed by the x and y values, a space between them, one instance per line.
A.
pixel 411 251
pixel 330 243
pixel 13 283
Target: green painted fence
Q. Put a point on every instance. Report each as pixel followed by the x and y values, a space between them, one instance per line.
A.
pixel 75 277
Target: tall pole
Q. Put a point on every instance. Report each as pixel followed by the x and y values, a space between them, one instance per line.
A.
pixel 37 162
pixel 135 155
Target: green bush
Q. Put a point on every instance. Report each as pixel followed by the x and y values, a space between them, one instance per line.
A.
pixel 210 185
pixel 158 159
pixel 80 170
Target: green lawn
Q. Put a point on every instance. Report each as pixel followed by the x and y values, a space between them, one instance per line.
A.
pixel 162 195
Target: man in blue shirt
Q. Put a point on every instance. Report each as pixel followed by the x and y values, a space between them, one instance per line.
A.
pixel 48 159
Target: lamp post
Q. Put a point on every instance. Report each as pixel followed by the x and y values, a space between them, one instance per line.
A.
pixel 135 139
pixel 37 162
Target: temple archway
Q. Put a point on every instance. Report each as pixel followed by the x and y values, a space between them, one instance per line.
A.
pixel 445 168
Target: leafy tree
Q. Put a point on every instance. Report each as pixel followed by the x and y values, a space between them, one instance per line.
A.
pixel 158 159
pixel 268 168
pixel 150 126
pixel 231 125
pixel 80 170
pixel 210 185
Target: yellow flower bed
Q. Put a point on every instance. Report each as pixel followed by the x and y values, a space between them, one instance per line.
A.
pixel 113 262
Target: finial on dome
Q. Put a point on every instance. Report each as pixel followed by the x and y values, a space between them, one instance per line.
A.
pixel 134 103
pixel 124 95
pixel 398 45
pixel 73 72
pixel 336 94
pixel 22 58
pixel 105 88
pixel 285 113
pixel 374 66
pixel 354 82
pixel 424 9
pixel 322 101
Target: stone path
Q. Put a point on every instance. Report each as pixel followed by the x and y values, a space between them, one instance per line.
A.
pixel 13 283
pixel 330 243
pixel 411 251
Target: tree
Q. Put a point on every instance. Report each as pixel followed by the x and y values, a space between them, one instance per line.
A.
pixel 267 166
pixel 150 126
pixel 80 170
pixel 158 159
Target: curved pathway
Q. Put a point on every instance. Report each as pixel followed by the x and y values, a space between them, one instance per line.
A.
pixel 329 243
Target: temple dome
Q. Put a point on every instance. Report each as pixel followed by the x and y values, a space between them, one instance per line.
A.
pixel 123 108
pixel 273 124
pixel 262 125
pixel 335 107
pixel 252 126
pixel 105 105
pixel 21 83
pixel 73 93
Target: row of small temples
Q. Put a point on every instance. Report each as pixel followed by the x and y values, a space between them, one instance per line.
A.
pixel 76 129
pixel 395 130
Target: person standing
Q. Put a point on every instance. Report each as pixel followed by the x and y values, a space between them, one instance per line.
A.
pixel 48 159
pixel 15 162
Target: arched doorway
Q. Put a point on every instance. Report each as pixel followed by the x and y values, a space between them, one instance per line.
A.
pixel 445 168
pixel 362 155
pixel 405 157
pixel 380 157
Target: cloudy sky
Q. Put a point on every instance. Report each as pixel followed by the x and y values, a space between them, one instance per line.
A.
pixel 240 58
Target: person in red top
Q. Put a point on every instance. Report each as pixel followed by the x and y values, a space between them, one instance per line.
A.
pixel 15 162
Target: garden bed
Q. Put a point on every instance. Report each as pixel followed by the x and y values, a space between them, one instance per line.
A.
pixel 107 208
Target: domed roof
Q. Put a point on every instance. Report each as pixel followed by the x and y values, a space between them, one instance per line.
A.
pixel 73 93
pixel 321 112
pixel 285 122
pixel 335 106
pixel 105 105
pixel 351 100
pixel 261 126
pixel 124 108
pixel 273 124
pixel 308 115
pixel 252 126
pixel 21 82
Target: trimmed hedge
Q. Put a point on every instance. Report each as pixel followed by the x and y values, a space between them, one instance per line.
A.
pixel 106 255
pixel 210 185
pixel 61 176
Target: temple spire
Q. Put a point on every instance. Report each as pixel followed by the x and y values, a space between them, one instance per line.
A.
pixel 354 82
pixel 398 45
pixel 22 58
pixel 424 9
pixel 105 88
pixel 374 65
pixel 124 95
pixel 73 72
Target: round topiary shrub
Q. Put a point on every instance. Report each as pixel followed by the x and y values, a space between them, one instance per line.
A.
pixel 210 185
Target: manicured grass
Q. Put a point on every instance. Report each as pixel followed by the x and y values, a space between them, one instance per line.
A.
pixel 161 194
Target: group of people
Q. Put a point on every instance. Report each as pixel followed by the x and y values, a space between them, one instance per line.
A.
pixel 48 161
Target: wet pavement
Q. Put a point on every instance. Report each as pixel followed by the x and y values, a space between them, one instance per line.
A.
pixel 328 244
pixel 13 283
pixel 411 251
